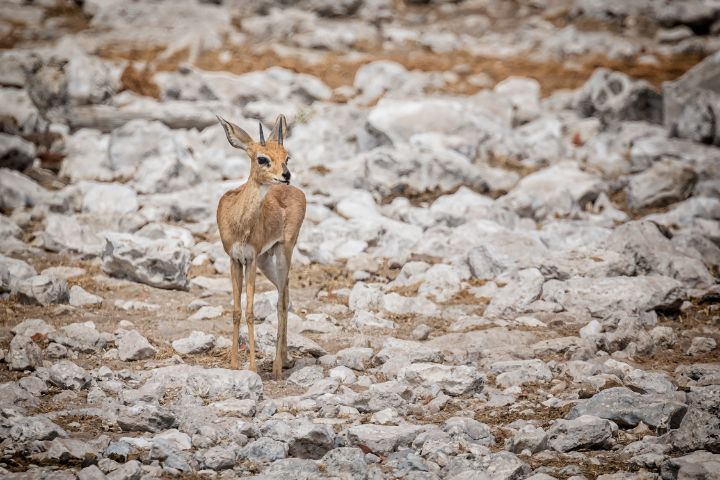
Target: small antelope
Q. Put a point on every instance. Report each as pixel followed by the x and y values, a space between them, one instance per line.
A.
pixel 259 223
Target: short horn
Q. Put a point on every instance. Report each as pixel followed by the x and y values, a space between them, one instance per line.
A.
pixel 262 135
pixel 280 134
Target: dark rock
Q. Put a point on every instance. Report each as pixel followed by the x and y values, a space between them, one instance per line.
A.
pixel 692 102
pixel 613 96
pixel 628 409
pixel 700 427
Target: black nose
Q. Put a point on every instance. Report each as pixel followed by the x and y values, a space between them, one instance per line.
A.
pixel 286 174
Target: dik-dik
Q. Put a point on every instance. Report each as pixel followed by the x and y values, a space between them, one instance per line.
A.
pixel 259 223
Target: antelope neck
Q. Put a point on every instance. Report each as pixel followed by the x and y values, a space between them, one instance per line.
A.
pixel 250 204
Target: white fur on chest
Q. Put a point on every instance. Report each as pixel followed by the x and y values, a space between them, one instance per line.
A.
pixel 242 252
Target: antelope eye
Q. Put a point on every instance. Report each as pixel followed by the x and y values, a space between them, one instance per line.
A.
pixel 264 161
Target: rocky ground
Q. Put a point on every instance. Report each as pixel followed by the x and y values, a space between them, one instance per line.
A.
pixel 508 269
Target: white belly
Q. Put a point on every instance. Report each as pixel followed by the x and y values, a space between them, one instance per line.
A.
pixel 269 245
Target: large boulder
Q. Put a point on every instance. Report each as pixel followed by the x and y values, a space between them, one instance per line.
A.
pixel 75 233
pixel 133 346
pixel 585 431
pixel 409 170
pixel 613 96
pixel 628 409
pixel 602 297
pixel 453 380
pixel 653 253
pixel 12 272
pixel 158 263
pixel 700 427
pixel 43 290
pixel 399 120
pixel 664 183
pixel 18 191
pixel 559 189
pixel 381 438
pixel 692 102
pixel 209 383
pixel 83 337
pixel 700 465
pixel 24 354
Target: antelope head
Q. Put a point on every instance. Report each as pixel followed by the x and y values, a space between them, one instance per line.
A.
pixel 268 158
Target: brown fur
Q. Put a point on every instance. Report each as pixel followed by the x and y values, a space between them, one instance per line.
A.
pixel 260 231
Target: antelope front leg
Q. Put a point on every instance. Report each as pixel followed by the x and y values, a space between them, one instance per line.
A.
pixel 250 267
pixel 236 275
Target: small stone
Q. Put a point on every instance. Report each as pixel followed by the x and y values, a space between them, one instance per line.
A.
pixel 386 416
pixel 701 345
pixel 585 431
pixel 207 312
pixel 80 298
pixel 196 305
pixel 222 342
pixel 23 354
pixel 264 450
pixel 364 319
pixel 43 290
pixel 32 327
pixel 357 358
pixel 91 473
pixel 133 346
pixel 343 374
pixel 131 470
pixel 345 462
pixel 469 430
pixel 592 328
pixel 56 351
pixel 306 376
pixel 529 438
pixel 244 407
pixel 67 375
pixel 453 380
pixel 421 332
pixel 197 342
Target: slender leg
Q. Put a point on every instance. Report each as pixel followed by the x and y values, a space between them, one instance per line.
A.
pixel 236 275
pixel 250 268
pixel 279 361
pixel 281 355
pixel 287 260
pixel 286 301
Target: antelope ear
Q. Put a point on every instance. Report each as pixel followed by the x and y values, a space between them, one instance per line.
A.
pixel 279 131
pixel 237 137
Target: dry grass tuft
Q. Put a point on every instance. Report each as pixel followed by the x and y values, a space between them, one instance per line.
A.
pixel 139 81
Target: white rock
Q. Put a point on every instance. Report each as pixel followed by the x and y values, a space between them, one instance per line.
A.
pixel 133 346
pixel 386 416
pixel 592 328
pixel 43 290
pixel 357 358
pixel 519 372
pixel 197 342
pixel 154 262
pixel 453 380
pixel 343 374
pixel 79 297
pixel 108 198
pixel 207 312
pixel 306 376
pixel 364 319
